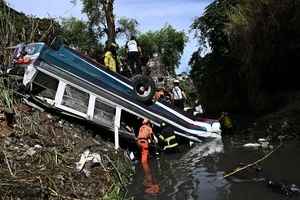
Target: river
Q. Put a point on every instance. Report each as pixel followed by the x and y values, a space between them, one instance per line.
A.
pixel 197 173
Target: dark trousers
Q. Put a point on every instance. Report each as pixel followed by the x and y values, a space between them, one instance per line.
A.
pixel 134 62
pixel 179 104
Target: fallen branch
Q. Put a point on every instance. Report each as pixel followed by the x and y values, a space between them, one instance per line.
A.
pixel 252 164
pixel 8 165
pixel 116 169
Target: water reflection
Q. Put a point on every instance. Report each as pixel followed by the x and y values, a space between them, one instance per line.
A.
pixel 150 184
pixel 197 173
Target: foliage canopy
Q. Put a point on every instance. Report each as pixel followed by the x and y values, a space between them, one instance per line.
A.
pixel 168 43
pixel 254 47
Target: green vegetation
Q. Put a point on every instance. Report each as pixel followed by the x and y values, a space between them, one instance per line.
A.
pixel 40 154
pixel 101 19
pixel 253 52
pixel 76 34
pixel 7 99
pixel 128 27
pixel 7 96
pixel 17 28
pixel 168 43
pixel 190 91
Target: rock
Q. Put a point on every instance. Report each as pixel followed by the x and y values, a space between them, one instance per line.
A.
pixel 30 152
pixel 37 146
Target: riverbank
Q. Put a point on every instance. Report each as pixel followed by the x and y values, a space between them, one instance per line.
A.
pixel 46 157
pixel 283 123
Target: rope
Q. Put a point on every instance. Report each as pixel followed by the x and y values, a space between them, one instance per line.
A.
pixel 251 164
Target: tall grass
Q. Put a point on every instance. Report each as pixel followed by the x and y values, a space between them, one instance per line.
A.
pixel 17 28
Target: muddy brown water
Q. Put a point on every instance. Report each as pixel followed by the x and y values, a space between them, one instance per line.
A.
pixel 197 173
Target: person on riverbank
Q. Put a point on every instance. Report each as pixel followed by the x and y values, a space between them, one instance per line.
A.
pixel 178 95
pixel 133 55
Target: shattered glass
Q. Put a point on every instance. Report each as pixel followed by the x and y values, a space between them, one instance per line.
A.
pixel 104 113
pixel 75 99
pixel 44 86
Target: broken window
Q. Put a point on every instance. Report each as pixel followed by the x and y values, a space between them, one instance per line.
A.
pixel 75 99
pixel 130 123
pixel 44 86
pixel 104 114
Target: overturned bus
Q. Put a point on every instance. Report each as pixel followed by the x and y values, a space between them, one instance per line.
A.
pixel 61 78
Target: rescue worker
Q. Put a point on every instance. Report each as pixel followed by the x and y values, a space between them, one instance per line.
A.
pixel 133 55
pixel 226 123
pixel 145 137
pixel 178 95
pixel 167 138
pixel 110 60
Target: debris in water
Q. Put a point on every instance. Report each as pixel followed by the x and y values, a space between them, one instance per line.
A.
pixel 285 189
pixel 254 145
pixel 261 142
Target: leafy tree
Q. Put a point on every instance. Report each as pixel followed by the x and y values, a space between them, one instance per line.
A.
pixel 254 46
pixel 149 43
pixel 16 27
pixel 171 45
pixel 101 17
pixel 268 31
pixel 209 28
pixel 168 43
pixel 128 27
pixel 77 34
pixel 216 68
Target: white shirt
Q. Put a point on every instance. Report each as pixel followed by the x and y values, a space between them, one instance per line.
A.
pixel 199 109
pixel 132 46
pixel 177 93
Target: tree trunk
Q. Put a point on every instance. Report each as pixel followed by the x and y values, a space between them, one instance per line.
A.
pixel 110 21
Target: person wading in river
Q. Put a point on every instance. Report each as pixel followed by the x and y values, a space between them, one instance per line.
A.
pixel 144 138
pixel 226 123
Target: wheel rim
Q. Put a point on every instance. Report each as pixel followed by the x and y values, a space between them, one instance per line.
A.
pixel 143 91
